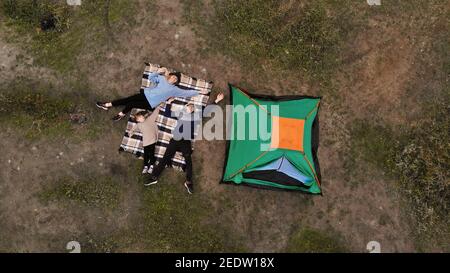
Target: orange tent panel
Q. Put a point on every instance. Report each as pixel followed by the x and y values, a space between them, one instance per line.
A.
pixel 287 133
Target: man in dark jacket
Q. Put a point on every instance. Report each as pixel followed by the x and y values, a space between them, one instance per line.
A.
pixel 183 134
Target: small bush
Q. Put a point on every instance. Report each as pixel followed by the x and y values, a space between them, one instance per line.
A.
pixel 313 241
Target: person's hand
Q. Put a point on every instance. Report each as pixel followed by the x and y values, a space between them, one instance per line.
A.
pixel 219 97
pixel 170 100
pixel 163 70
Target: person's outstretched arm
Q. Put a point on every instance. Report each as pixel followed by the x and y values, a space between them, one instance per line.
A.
pixel 206 110
pixel 184 93
pixel 168 106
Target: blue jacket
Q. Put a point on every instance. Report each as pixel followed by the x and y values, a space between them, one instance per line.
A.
pixel 162 90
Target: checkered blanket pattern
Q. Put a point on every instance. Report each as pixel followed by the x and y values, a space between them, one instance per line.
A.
pixel 166 124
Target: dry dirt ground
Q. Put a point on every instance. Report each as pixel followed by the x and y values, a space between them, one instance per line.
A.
pixel 264 220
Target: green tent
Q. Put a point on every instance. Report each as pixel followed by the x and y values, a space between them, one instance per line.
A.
pixel 273 142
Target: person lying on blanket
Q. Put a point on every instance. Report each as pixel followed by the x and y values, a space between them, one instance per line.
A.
pixel 163 87
pixel 180 142
pixel 146 124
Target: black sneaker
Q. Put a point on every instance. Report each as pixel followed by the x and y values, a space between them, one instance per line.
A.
pixel 101 105
pixel 117 117
pixel 189 187
pixel 151 181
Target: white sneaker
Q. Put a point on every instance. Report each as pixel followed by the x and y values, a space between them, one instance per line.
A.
pixel 150 169
pixel 145 170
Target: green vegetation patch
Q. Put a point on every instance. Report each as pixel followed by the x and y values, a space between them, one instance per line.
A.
pixel 174 221
pixel 417 154
pixel 30 107
pixel 36 109
pixel 168 219
pixel 291 36
pixel 98 243
pixel 309 240
pixel 29 13
pixel 419 157
pixel 97 192
pixel 73 29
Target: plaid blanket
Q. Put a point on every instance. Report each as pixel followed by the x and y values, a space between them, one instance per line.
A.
pixel 166 124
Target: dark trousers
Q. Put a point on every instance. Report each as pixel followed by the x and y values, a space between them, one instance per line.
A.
pixel 135 101
pixel 184 146
pixel 149 155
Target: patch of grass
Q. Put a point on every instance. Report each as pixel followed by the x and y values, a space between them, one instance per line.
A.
pixel 384 220
pixel 275 34
pixel 56 47
pixel 417 154
pixel 192 10
pixel 97 244
pixel 375 143
pixel 174 221
pixel 34 111
pixel 169 220
pixel 419 157
pixel 28 13
pixel 77 29
pixel 96 192
pixel 398 9
pixel 37 109
pixel 5 244
pixel 309 240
